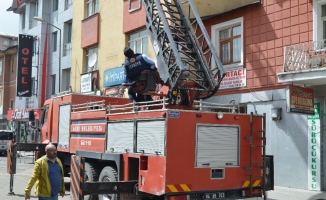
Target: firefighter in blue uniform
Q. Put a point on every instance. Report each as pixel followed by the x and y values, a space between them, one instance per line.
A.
pixel 134 66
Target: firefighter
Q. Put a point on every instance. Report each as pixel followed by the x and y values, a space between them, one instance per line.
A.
pixel 134 66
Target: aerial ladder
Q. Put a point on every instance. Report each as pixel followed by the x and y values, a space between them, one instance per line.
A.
pixel 187 59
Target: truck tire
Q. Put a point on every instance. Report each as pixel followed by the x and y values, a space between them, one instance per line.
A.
pixel 108 174
pixel 91 174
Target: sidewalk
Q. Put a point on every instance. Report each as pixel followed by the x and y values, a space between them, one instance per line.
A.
pixel 283 193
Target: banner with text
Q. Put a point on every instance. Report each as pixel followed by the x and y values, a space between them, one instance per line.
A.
pixel 24 72
pixel 234 79
pixel 300 100
pixel 114 76
pixel 314 150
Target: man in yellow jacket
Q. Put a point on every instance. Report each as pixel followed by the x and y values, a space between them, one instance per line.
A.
pixel 48 175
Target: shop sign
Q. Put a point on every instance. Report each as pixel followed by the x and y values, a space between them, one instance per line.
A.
pixel 24 69
pixel 22 114
pixel 300 100
pixel 234 79
pixel 114 76
pixel 86 82
pixel 314 150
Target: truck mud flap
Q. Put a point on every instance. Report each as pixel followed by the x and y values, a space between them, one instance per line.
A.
pixel 77 177
pixel 79 188
pixel 11 158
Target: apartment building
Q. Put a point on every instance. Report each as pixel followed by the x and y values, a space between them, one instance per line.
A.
pixel 273 51
pixel 49 23
pixel 8 60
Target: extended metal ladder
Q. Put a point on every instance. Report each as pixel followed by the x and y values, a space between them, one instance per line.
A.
pixel 188 61
pixel 258 140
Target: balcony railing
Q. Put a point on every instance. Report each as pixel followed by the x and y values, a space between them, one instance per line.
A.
pixel 305 56
pixel 66 49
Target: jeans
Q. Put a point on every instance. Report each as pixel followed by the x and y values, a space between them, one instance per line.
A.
pixel 48 198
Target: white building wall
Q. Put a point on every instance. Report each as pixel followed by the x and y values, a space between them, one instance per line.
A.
pixel 286 139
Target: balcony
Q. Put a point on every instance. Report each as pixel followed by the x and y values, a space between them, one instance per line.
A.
pixel 304 63
pixel 215 7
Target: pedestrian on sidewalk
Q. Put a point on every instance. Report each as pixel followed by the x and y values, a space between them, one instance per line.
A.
pixel 48 175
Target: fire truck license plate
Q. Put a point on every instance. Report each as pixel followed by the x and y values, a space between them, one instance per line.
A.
pixel 216 195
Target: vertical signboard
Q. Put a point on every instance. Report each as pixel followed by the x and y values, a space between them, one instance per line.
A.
pixel 24 72
pixel 314 150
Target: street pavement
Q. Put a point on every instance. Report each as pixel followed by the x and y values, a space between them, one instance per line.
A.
pixel 24 170
pixel 25 167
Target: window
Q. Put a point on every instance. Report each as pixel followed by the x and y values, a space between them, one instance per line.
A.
pixel 11 103
pixel 35 46
pixel 138 41
pixel 55 5
pixel 228 40
pixel 54 39
pixel 65 79
pixel 0 67
pixel 319 21
pixel 92 7
pixel 23 20
pixel 68 27
pixel 53 84
pixel 6 42
pixel 91 59
pixel 33 86
pixel 33 13
pixel 12 67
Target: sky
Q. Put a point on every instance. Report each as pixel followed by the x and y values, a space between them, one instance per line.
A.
pixel 9 21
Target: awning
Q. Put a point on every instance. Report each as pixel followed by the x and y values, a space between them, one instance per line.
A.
pixel 215 7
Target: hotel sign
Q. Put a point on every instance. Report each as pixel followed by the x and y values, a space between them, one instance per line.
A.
pixel 300 100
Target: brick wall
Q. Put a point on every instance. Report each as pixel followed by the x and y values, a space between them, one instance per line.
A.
pixel 268 28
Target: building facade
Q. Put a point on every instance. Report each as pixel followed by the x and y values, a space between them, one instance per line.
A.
pixel 260 44
pixel 50 25
pixel 273 52
pixel 8 64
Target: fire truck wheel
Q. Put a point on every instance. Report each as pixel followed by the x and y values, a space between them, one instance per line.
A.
pixel 91 174
pixel 108 174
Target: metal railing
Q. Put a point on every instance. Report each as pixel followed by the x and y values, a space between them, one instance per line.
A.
pixel 88 106
pixel 304 56
pixel 139 106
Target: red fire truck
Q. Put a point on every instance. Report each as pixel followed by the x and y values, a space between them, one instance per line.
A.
pixel 181 148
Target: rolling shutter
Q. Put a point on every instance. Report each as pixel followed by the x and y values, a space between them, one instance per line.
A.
pixel 64 126
pixel 217 146
pixel 120 136
pixel 151 137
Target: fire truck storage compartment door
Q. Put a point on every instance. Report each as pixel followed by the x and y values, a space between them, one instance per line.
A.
pixel 151 137
pixel 64 122
pixel 217 146
pixel 120 137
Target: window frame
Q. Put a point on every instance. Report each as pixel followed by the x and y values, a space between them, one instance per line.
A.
pixel 55 5
pixel 215 35
pixel 6 42
pixel 317 20
pixel 55 41
pixel 92 8
pixel 88 52
pixel 143 47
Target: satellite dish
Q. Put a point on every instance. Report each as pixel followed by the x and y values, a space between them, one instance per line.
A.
pixel 92 58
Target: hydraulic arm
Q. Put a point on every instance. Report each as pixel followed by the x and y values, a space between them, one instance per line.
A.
pixel 187 59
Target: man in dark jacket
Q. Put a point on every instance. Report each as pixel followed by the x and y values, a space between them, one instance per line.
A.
pixel 134 66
